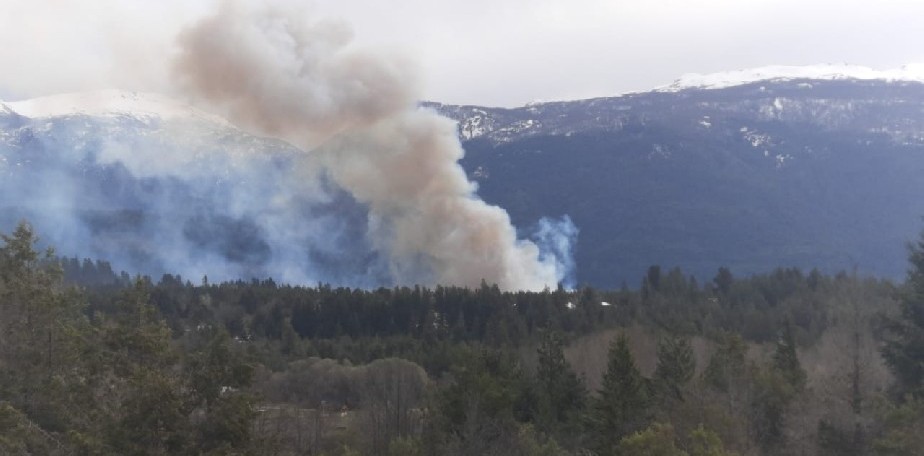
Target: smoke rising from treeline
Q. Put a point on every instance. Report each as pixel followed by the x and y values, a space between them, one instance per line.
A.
pixel 371 195
pixel 353 112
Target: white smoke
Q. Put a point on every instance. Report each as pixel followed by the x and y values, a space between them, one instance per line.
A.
pixel 353 110
pixel 556 240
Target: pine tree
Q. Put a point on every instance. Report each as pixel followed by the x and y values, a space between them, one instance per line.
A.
pixel 133 335
pixel 135 358
pixel 904 354
pixel 676 367
pixel 775 389
pixel 727 366
pixel 786 361
pixel 904 348
pixel 217 379
pixel 561 392
pixel 42 331
pixel 723 281
pixel 622 406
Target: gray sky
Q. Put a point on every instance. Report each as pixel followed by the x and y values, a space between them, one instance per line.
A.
pixel 491 52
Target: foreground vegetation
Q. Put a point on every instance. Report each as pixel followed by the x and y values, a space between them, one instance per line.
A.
pixel 96 363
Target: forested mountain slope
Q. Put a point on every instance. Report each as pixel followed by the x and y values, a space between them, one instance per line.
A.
pixel 756 175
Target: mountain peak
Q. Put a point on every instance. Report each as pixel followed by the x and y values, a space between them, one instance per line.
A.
pixel 910 73
pixel 110 103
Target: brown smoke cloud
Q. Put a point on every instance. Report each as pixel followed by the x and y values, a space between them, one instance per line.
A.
pixel 270 70
pixel 354 110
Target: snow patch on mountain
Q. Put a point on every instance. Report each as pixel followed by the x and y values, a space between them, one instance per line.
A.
pixel 110 103
pixel 907 73
pixel 756 139
pixel 475 125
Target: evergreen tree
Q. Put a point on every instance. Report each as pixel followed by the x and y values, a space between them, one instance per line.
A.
pixel 723 280
pixel 770 401
pixel 676 367
pixel 561 393
pixel 152 417
pixel 727 367
pixel 216 380
pixel 786 361
pixel 42 338
pixel 622 405
pixel 487 385
pixel 775 389
pixel 291 342
pixel 133 335
pixel 904 347
pixel 481 407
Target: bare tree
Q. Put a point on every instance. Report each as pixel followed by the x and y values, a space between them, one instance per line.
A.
pixel 391 391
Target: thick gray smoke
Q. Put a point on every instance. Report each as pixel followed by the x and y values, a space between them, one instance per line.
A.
pixel 156 187
pixel 353 112
pixel 372 195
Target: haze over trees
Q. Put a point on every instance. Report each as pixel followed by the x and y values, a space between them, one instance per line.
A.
pixel 785 363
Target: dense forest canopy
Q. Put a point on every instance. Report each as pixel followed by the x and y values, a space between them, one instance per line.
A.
pixel 94 361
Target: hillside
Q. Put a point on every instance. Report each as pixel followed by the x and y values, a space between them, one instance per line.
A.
pixel 782 172
pixel 753 170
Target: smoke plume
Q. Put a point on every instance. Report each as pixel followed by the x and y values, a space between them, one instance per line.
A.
pixel 353 112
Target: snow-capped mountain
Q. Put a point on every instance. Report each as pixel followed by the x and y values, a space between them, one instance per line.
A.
pixel 757 169
pixel 828 72
pixel 779 166
pixel 857 84
pixel 112 103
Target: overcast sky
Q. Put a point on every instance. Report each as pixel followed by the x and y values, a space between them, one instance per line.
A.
pixel 490 52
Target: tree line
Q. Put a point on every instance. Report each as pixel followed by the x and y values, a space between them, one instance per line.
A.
pixel 98 362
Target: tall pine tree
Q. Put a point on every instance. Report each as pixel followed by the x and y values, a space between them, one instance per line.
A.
pixel 904 348
pixel 786 361
pixel 560 392
pixel 622 406
pixel 676 367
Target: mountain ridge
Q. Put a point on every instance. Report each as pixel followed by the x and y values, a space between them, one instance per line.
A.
pixel 772 173
pixel 113 101
pixel 801 172
pixel 822 72
pixel 110 102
